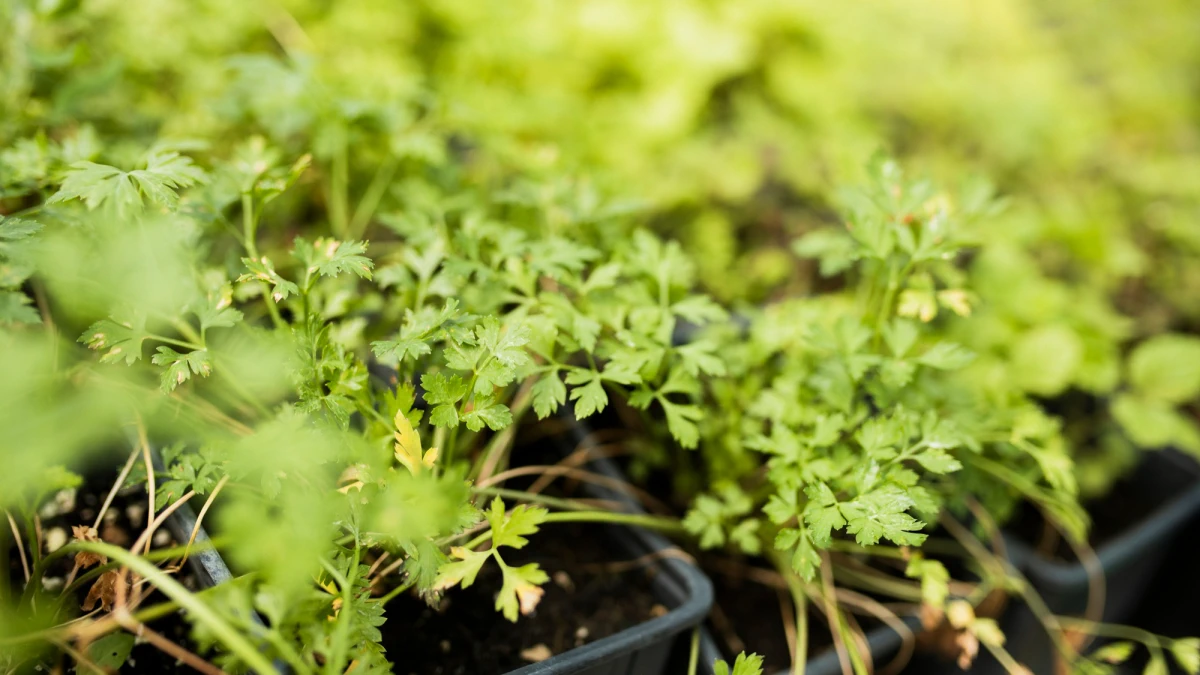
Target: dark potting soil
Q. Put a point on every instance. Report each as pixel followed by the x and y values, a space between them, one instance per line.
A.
pixel 748 617
pixel 585 600
pixel 122 524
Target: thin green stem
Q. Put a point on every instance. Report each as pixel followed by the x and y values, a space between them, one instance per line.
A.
pixel 800 604
pixel 494 454
pixel 249 236
pixel 187 331
pixel 518 495
pixel 661 523
pixel 339 197
pixel 249 225
pixel 371 198
pixel 336 663
pixel 178 343
pixel 391 595
pixel 1114 631
pixel 694 652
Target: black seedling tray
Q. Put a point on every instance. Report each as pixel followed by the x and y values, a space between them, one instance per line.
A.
pixel 640 650
pixel 680 586
pixel 1129 561
pixel 882 642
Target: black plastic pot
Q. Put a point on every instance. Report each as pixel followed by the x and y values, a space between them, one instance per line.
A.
pixel 882 642
pixel 640 650
pixel 680 586
pixel 1129 561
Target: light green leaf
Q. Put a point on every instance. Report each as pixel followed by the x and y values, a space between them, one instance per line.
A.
pixel 1045 360
pixel 946 356
pixel 181 367
pixel 548 394
pixel 1187 654
pixel 1167 368
pixel 744 665
pixel 1114 652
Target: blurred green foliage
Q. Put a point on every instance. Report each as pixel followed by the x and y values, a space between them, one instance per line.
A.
pixel 177 177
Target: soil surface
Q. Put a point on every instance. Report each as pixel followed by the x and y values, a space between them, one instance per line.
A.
pixel 584 602
pixel 122 524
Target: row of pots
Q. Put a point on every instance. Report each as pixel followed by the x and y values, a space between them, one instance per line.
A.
pixel 1128 562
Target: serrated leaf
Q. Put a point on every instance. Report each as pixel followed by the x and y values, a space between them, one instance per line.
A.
pixel 122 339
pixel 330 257
pixel 946 356
pixel 408 449
pixel 521 591
pixel 181 367
pixel 461 571
pixel 16 229
pixel 699 309
pixel 744 665
pixel 937 460
pixel 16 307
pixel 882 514
pixel 681 422
pixel 822 514
pixel 494 416
pixel 444 416
pixel 589 398
pixel 98 184
pixel 264 270
pixel 549 393
pixel 700 357
pixel 510 529
pixel 443 389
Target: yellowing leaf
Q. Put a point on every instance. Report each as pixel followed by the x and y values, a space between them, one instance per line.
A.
pixel 408 446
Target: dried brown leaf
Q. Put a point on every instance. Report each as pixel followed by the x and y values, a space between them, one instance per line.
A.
pixel 85 559
pixel 103 591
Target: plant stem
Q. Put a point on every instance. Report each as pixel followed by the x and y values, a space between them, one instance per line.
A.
pixel 336 663
pixel 800 601
pixel 339 179
pixel 694 652
pixel 497 449
pixel 660 523
pixel 391 595
pixel 371 198
pixel 564 504
pixel 197 609
pixel 1114 631
pixel 249 234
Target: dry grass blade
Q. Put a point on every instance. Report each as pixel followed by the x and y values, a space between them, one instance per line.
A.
pixel 831 612
pixel 151 488
pixel 586 476
pixel 144 632
pixel 580 457
pixel 200 518
pixel 116 487
pixel 20 546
